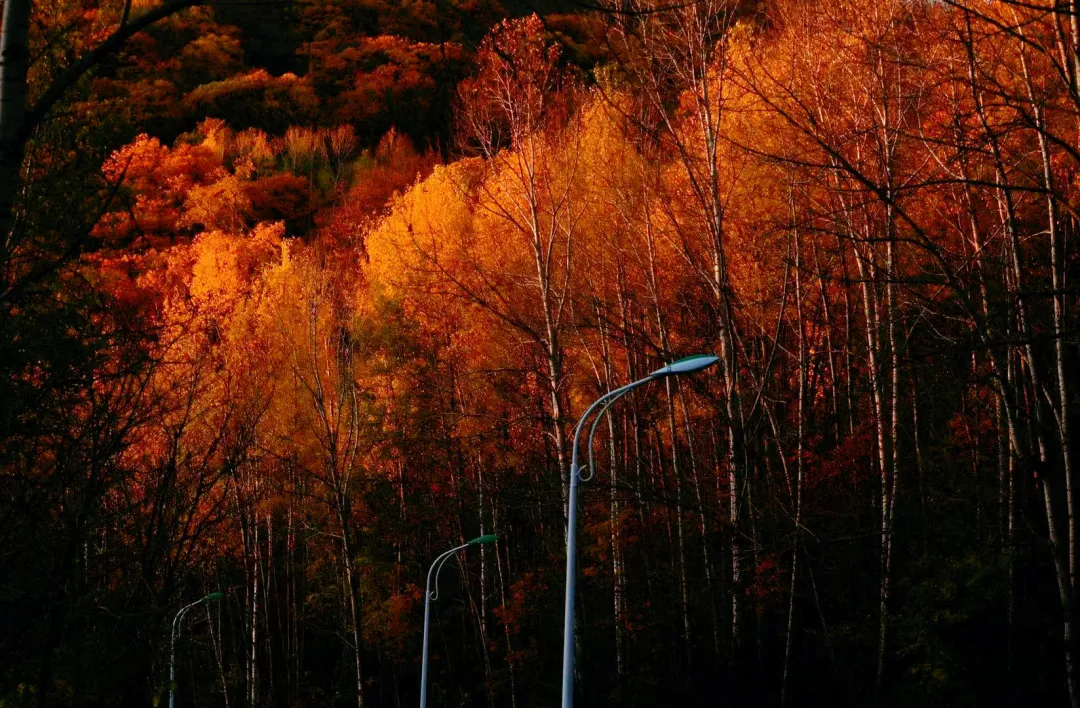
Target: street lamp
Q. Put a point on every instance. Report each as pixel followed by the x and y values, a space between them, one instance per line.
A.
pixel 212 597
pixel 686 365
pixel 429 595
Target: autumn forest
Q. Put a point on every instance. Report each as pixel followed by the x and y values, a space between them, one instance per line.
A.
pixel 296 295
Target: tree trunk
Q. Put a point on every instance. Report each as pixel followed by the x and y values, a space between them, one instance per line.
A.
pixel 801 432
pixel 14 65
pixel 353 590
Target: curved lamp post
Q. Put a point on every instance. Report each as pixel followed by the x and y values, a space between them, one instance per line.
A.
pixel 429 595
pixel 176 626
pixel 686 365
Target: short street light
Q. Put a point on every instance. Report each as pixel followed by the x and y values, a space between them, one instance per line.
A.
pixel 176 626
pixel 687 365
pixel 429 595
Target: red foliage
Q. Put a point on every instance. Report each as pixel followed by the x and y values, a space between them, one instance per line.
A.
pixel 518 84
pixel 768 586
pixel 282 197
pixel 849 462
pixel 519 603
pixel 156 180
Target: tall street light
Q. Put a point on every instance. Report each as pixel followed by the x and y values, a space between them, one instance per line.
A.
pixel 176 626
pixel 429 595
pixel 686 365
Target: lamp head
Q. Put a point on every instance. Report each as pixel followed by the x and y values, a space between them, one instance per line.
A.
pixel 488 538
pixel 686 365
pixel 214 597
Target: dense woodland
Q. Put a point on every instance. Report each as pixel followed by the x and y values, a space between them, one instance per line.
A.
pixel 297 294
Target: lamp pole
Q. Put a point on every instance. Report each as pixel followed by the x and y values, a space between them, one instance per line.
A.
pixel 176 626
pixel 429 595
pixel 686 365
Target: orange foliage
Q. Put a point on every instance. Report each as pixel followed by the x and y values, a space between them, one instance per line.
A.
pixel 160 180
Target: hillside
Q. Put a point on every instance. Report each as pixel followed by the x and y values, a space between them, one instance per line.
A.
pixel 296 295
